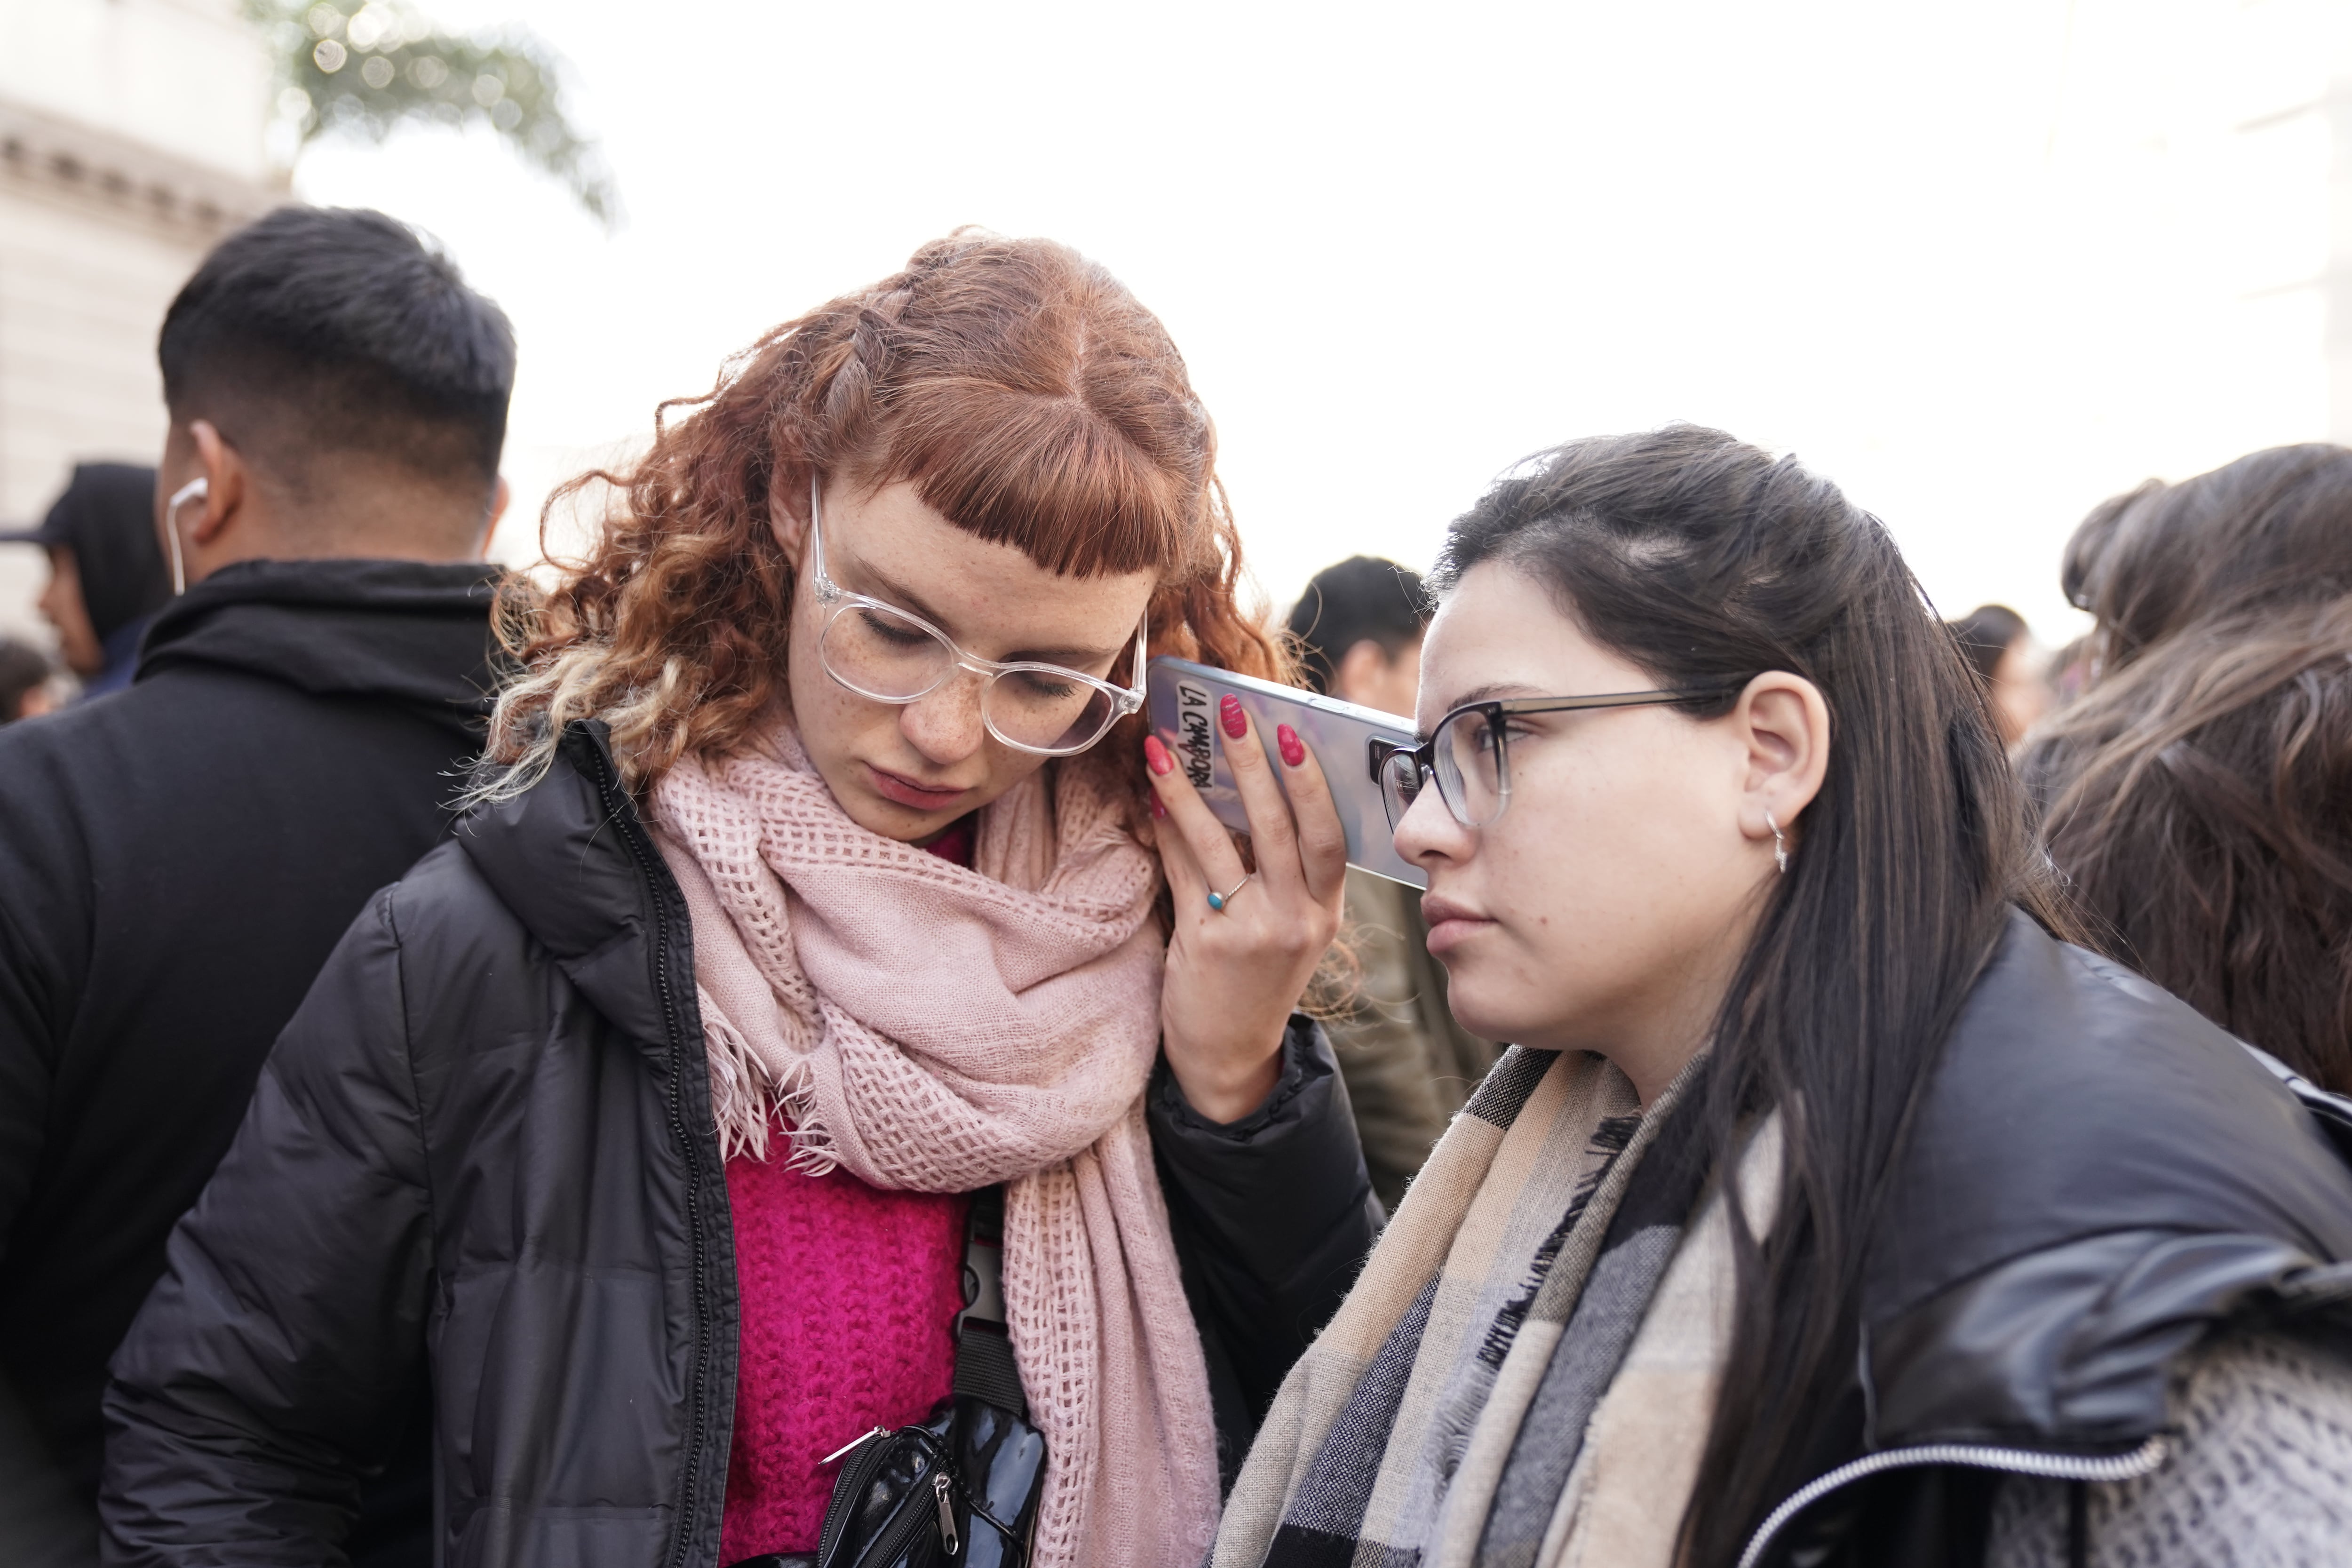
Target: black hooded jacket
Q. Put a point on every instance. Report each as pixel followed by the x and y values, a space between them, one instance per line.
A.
pixel 107 518
pixel 485 1145
pixel 176 861
pixel 106 521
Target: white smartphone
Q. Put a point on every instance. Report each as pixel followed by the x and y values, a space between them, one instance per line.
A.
pixel 1185 697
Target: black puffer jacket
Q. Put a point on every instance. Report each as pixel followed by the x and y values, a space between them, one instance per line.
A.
pixel 2098 1181
pixel 485 1143
pixel 176 861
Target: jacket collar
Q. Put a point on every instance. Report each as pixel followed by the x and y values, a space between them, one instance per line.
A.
pixel 411 632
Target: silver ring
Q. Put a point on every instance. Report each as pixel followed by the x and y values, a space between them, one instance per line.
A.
pixel 1219 900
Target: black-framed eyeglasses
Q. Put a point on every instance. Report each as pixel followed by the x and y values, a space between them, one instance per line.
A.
pixel 1469 753
pixel 890 655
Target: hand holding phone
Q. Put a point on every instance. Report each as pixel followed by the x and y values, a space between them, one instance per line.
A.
pixel 1247 938
pixel 1184 699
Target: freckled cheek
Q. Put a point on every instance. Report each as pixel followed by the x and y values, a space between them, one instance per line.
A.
pixel 835 724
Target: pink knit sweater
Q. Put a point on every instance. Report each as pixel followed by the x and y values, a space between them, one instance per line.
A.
pixel 847 1293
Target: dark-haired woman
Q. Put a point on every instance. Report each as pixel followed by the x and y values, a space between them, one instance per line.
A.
pixel 2198 796
pixel 1998 647
pixel 817 890
pixel 1831 1209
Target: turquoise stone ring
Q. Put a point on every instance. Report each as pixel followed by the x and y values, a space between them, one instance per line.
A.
pixel 1219 900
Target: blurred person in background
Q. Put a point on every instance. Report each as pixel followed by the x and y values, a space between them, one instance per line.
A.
pixel 1828 1208
pixel 2000 646
pixel 106 575
pixel 23 681
pixel 178 860
pixel 2070 670
pixel 1408 1065
pixel 2197 796
pixel 825 873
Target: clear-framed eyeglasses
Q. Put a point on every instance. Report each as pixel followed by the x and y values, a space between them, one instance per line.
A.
pixel 890 655
pixel 1469 753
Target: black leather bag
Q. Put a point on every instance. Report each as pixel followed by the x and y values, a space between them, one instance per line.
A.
pixel 961 1486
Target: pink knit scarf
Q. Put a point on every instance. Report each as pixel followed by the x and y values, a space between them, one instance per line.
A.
pixel 938 1029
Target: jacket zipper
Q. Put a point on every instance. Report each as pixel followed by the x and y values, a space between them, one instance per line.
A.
pixel 624 816
pixel 2015 1461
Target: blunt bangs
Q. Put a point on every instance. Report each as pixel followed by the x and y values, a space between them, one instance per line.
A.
pixel 1045 475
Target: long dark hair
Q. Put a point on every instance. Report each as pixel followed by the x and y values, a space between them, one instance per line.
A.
pixel 1706 561
pixel 2198 794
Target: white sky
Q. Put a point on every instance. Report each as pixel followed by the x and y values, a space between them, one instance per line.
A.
pixel 1982 265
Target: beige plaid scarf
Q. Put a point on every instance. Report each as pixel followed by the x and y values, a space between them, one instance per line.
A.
pixel 1520 1314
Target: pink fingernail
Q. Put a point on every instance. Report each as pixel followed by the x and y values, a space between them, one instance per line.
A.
pixel 1285 740
pixel 1228 710
pixel 1156 757
pixel 1158 808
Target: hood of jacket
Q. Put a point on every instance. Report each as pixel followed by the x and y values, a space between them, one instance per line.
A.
pixel 411 632
pixel 2099 1177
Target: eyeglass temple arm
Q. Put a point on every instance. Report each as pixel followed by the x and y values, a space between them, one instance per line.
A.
pixel 816 535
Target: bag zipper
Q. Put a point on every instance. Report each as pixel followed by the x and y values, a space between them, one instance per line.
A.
pixel 2015 1461
pixel 857 1442
pixel 905 1525
pixel 622 814
pixel 865 1458
pixel 947 1514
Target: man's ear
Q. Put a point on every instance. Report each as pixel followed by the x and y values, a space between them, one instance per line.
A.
pixel 501 497
pixel 1784 726
pixel 229 485
pixel 1361 669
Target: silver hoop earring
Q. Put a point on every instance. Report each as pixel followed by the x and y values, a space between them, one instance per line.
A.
pixel 1779 845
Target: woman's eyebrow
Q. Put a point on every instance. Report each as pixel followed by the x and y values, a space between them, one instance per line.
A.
pixel 905 598
pixel 1491 690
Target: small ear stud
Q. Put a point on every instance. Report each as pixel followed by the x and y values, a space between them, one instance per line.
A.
pixel 1779 845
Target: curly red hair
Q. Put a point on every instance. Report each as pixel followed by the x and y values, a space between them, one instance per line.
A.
pixel 1026 393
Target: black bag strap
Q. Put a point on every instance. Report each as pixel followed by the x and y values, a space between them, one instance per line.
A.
pixel 985 1367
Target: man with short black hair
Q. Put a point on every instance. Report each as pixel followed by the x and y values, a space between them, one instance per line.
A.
pixel 178 860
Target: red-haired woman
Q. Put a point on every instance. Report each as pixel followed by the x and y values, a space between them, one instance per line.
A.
pixel 811 888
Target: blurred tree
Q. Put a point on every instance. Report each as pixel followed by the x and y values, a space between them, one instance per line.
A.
pixel 364 70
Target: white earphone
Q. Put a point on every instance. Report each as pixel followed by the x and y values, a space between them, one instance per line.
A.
pixel 195 490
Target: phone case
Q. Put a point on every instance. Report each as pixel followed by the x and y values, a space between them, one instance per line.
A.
pixel 1184 707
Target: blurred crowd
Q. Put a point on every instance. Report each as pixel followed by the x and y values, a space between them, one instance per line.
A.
pixel 335 799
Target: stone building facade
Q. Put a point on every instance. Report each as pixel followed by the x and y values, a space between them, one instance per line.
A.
pixel 132 138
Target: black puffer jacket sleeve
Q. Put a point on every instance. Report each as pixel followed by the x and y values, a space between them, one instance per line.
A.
pixel 1273 1215
pixel 313 1239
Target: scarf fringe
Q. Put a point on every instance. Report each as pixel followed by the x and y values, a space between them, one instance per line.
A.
pixel 745 1099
